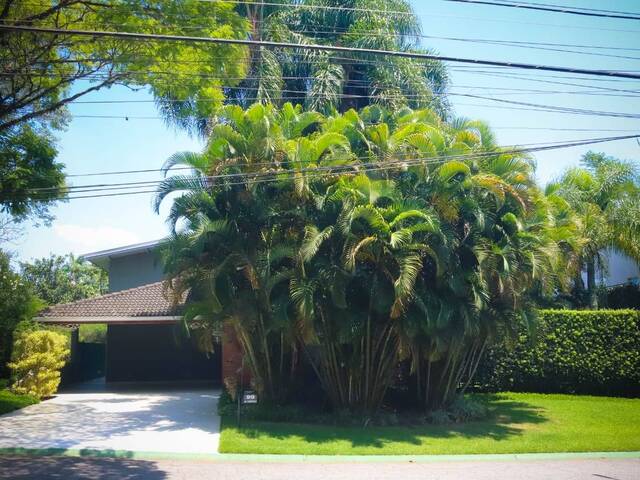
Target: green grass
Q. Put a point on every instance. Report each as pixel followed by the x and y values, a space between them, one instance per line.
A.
pixel 10 401
pixel 519 423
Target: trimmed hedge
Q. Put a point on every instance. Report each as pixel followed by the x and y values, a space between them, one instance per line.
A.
pixel 594 352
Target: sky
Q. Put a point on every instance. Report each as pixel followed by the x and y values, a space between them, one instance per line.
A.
pixel 93 145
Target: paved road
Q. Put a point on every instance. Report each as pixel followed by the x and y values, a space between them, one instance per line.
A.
pixel 40 468
pixel 173 421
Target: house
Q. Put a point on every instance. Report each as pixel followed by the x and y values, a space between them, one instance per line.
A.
pixel 145 341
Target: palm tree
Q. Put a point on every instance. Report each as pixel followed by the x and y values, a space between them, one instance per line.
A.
pixel 325 81
pixel 364 255
pixel 605 193
pixel 227 250
pixel 361 245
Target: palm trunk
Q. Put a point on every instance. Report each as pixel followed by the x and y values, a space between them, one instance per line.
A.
pixel 591 284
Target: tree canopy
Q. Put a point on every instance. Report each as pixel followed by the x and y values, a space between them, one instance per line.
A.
pixel 324 81
pixel 41 74
pixel 64 278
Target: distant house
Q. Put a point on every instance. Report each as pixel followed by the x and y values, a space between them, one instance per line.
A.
pixel 145 341
pixel 621 269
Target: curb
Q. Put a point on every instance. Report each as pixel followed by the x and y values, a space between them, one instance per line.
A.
pixel 267 458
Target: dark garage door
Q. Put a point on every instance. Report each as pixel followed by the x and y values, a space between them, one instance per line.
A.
pixel 157 353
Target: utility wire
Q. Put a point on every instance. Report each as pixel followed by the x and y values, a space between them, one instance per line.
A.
pixel 336 48
pixel 259 176
pixel 555 8
pixel 276 180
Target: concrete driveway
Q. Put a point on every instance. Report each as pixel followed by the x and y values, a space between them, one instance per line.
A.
pixel 158 421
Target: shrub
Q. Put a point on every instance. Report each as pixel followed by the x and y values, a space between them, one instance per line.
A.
pixel 10 401
pixel 596 352
pixel 623 296
pixel 463 409
pixel 37 359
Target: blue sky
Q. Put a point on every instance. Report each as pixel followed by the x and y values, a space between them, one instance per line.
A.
pixel 100 145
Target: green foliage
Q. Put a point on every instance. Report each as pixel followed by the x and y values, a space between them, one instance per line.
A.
pixel 327 81
pixel 43 73
pixel 38 356
pixel 192 73
pixel 463 409
pixel 605 193
pixel 10 401
pixel 30 178
pixel 93 333
pixel 64 278
pixel 622 296
pixel 17 303
pixel 428 262
pixel 570 351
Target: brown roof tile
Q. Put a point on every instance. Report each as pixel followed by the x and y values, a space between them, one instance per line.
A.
pixel 144 301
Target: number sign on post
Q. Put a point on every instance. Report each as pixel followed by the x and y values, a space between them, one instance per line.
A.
pixel 249 397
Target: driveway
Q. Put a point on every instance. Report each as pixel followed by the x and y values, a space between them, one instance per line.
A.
pixel 158 421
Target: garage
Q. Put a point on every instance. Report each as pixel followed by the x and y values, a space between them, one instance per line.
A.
pixel 157 353
pixel 145 340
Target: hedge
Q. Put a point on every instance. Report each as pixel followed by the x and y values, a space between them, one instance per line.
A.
pixel 591 352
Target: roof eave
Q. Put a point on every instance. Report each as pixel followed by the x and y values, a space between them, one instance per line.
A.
pixel 110 320
pixel 102 257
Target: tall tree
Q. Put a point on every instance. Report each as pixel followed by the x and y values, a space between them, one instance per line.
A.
pixel 605 192
pixel 64 278
pixel 231 246
pixel 31 179
pixel 325 81
pixel 42 73
pixel 387 259
pixel 40 69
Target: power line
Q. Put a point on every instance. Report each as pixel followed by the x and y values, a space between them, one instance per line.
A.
pixel 555 9
pixel 256 177
pixel 264 43
pixel 337 30
pixel 364 10
pixel 402 157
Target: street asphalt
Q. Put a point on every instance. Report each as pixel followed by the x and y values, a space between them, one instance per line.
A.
pixel 66 467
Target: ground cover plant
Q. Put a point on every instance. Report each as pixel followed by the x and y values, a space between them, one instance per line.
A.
pixel 517 423
pixel 10 401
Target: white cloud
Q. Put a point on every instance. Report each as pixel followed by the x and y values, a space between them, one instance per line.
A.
pixel 86 239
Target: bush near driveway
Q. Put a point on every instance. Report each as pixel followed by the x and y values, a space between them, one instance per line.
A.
pixel 10 401
pixel 595 352
pixel 38 357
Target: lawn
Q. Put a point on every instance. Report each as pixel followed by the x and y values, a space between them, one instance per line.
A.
pixel 519 423
pixel 10 401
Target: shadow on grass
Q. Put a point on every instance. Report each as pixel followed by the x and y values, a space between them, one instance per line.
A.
pixel 507 418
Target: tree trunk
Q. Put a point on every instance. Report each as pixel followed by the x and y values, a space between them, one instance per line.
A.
pixel 591 284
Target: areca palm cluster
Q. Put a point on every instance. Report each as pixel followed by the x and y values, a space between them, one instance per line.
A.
pixel 357 241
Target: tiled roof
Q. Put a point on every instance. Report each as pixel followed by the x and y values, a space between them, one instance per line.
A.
pixel 144 301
